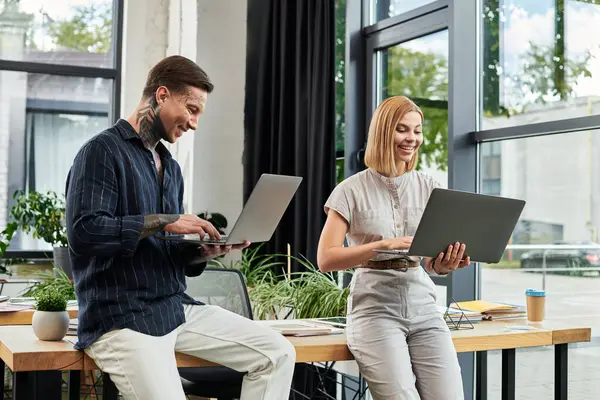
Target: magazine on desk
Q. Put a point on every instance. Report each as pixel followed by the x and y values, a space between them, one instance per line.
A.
pixel 301 327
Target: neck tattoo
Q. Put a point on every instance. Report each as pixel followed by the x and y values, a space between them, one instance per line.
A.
pixel 147 119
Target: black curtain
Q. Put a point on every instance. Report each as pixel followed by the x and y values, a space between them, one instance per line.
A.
pixel 290 111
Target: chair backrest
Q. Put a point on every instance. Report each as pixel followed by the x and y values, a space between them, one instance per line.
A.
pixel 223 287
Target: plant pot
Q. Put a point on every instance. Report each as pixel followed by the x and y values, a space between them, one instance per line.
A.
pixel 62 260
pixel 50 325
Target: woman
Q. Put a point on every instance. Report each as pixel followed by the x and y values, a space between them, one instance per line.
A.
pixel 399 338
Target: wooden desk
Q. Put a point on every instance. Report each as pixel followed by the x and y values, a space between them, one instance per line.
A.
pixel 22 351
pixel 24 317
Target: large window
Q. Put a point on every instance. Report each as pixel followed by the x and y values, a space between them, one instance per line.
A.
pixel 541 61
pixel 59 86
pixel 540 91
pixel 511 91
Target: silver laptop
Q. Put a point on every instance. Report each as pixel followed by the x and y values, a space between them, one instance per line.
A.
pixel 483 222
pixel 260 216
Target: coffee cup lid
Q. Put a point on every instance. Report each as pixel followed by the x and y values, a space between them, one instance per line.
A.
pixel 534 292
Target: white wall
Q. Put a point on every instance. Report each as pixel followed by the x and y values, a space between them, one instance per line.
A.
pixel 215 36
pixel 153 30
pixel 219 139
pixel 145 40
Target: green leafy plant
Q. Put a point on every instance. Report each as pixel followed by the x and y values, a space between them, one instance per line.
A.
pixel 43 214
pixel 5 237
pixel 50 299
pixel 257 268
pixel 308 294
pixel 59 282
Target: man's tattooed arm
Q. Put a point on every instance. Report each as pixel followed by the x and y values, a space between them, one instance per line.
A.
pixel 156 222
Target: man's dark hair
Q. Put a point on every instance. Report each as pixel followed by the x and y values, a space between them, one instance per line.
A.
pixel 176 73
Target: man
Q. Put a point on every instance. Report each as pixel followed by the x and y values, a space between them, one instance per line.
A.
pixel 123 191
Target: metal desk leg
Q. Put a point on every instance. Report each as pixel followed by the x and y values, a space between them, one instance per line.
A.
pixel 3 368
pixel 561 371
pixel 74 385
pixel 481 375
pixel 109 390
pixel 21 390
pixel 508 374
pixel 47 384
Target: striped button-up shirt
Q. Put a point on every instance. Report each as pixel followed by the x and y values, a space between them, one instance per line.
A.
pixel 121 280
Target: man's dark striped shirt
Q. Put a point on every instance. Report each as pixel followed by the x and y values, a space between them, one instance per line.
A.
pixel 122 281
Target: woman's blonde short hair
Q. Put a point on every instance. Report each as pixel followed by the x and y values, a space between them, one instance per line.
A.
pixel 380 152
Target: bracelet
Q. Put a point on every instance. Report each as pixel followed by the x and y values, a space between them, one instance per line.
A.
pixel 435 270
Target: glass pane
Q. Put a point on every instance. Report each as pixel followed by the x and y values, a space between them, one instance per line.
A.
pixel 390 8
pixel 541 61
pixel 418 69
pixel 535 376
pixel 44 120
pixel 558 177
pixel 63 32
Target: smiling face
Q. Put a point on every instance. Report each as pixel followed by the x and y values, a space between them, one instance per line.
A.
pixel 407 138
pixel 395 135
pixel 179 112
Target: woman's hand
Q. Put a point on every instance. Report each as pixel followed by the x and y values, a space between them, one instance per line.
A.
pixel 401 243
pixel 453 259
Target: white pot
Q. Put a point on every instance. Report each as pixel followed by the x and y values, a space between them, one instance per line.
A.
pixel 50 325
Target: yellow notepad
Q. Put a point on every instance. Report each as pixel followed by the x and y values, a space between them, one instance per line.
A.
pixel 484 306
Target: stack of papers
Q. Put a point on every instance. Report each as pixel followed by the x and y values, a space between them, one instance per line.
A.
pixel 301 328
pixel 72 327
pixel 452 315
pixel 493 310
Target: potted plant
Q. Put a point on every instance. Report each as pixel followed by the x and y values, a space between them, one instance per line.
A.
pixel 308 294
pixel 50 319
pixel 43 214
pixel 5 238
pixel 257 268
pixel 57 280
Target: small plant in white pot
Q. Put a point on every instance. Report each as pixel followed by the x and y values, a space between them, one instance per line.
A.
pixel 50 319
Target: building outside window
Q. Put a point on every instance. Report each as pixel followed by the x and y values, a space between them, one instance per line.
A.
pixel 59 86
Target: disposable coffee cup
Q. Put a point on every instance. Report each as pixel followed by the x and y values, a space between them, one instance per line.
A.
pixel 536 302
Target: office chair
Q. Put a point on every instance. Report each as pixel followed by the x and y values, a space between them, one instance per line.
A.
pixel 226 288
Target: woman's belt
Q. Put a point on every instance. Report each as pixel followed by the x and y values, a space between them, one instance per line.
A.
pixel 397 263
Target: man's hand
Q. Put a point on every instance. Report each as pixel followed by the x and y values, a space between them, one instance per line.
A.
pixel 190 224
pixel 212 251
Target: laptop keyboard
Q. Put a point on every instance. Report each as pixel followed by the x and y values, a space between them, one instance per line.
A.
pixel 207 239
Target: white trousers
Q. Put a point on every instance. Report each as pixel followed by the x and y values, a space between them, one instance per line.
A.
pixel 143 367
pixel 401 342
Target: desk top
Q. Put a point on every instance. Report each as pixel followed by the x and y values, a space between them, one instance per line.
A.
pixel 24 317
pixel 22 351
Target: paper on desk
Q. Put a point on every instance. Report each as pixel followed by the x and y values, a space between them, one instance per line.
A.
pixel 301 328
pixel 7 307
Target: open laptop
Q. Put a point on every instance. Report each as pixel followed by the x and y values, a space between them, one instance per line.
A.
pixel 483 223
pixel 260 216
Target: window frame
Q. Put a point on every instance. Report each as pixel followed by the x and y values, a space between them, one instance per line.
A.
pixel 114 110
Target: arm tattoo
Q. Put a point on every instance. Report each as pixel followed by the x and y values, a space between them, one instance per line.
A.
pixel 146 119
pixel 156 222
